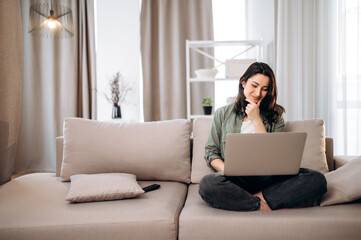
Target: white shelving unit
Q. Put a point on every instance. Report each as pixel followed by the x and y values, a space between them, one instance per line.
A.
pixel 247 46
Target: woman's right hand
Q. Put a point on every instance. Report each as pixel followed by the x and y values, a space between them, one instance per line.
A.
pixel 253 115
pixel 252 110
pixel 218 164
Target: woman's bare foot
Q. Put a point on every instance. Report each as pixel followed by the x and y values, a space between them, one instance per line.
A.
pixel 264 205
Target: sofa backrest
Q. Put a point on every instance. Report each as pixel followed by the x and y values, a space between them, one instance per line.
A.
pixel 201 128
pixel 151 150
pixel 314 156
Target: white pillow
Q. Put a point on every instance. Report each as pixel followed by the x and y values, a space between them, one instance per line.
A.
pixel 343 184
pixel 149 150
pixel 101 187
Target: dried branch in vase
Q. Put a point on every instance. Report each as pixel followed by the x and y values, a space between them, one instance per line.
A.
pixel 119 89
pixel 114 87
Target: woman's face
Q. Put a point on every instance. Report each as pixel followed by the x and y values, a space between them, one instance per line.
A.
pixel 256 87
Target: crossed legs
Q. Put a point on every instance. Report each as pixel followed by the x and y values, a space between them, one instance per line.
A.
pixel 263 192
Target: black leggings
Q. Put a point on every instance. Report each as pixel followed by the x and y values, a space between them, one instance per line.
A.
pixel 235 193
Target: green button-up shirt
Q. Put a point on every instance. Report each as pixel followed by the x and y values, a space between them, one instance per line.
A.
pixel 226 121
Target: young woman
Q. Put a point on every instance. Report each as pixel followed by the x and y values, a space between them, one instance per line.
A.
pixel 254 111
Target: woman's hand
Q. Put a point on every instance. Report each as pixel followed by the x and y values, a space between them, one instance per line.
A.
pixel 218 164
pixel 253 114
pixel 252 110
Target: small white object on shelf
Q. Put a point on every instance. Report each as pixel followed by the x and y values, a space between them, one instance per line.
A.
pixel 235 68
pixel 206 73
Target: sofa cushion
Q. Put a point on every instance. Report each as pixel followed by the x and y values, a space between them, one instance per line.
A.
pixel 200 221
pixel 150 150
pixel 34 207
pixel 201 128
pixel 314 156
pixel 103 186
pixel 343 184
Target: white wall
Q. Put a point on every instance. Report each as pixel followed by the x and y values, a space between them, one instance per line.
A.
pixel 260 23
pixel 118 49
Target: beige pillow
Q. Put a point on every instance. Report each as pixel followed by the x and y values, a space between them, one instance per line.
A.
pixel 201 128
pixel 150 150
pixel 314 156
pixel 101 187
pixel 343 184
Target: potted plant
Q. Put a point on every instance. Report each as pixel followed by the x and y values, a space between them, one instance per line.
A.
pixel 207 105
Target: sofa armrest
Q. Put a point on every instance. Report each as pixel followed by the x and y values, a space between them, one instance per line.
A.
pixel 342 160
pixel 329 154
pixel 59 154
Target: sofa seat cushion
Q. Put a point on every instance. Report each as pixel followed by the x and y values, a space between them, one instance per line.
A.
pixel 34 207
pixel 200 221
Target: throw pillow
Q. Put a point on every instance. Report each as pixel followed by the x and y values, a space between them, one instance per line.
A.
pixel 343 184
pixel 314 156
pixel 101 187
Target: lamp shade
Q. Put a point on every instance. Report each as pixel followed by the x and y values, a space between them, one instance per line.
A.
pixel 48 20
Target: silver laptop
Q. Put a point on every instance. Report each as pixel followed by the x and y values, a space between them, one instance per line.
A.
pixel 262 154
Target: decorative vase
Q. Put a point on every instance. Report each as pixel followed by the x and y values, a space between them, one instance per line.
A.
pixel 207 110
pixel 116 113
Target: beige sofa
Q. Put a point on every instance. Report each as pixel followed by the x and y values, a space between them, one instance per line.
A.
pixel 34 206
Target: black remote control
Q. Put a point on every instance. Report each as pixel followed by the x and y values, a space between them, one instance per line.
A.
pixel 151 187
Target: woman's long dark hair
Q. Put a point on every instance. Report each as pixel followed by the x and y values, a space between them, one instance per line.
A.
pixel 269 109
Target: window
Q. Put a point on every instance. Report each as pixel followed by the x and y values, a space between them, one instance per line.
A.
pixel 348 90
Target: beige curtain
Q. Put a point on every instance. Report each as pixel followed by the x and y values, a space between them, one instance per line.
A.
pixel 306 59
pixel 57 81
pixel 165 26
pixel 86 60
pixel 10 84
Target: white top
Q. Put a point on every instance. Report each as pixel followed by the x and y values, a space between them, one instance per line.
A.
pixel 247 127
